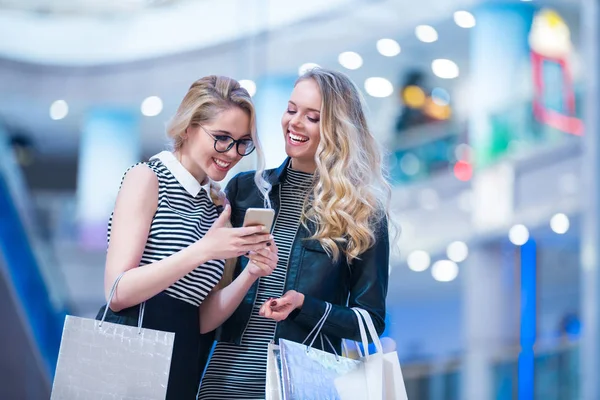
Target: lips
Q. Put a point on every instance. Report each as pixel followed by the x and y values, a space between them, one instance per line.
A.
pixel 296 138
pixel 222 165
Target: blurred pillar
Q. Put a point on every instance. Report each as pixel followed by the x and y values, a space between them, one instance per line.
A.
pixel 499 73
pixel 590 235
pixel 271 99
pixel 110 143
pixel 490 317
pixel 499 76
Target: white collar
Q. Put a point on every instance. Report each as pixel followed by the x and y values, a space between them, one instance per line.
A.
pixel 183 176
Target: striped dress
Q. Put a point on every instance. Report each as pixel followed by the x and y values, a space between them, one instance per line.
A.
pixel 238 372
pixel 184 214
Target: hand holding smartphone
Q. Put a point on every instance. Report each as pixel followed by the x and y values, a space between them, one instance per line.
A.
pixel 263 262
pixel 259 216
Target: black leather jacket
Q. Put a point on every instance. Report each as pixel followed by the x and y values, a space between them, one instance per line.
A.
pixel 313 273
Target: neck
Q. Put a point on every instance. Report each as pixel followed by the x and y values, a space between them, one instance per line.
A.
pixel 304 166
pixel 191 166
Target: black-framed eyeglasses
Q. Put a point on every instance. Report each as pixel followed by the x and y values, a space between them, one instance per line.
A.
pixel 224 143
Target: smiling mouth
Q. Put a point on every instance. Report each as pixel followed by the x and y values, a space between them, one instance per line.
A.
pixel 221 164
pixel 294 137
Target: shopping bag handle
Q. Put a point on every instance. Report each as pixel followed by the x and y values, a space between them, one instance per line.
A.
pixel 364 318
pixel 316 332
pixel 318 326
pixel 113 290
pixel 363 335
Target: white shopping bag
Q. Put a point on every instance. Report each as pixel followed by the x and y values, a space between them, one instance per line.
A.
pixel 381 369
pixel 298 371
pixel 100 360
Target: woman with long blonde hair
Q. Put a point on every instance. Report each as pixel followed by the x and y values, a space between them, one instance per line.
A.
pixel 331 229
pixel 167 243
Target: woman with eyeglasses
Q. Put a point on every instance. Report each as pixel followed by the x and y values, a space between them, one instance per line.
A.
pixel 166 240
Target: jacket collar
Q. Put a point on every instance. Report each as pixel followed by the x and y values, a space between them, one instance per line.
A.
pixel 277 176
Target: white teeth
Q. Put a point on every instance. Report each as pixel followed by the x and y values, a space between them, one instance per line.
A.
pixel 298 138
pixel 221 164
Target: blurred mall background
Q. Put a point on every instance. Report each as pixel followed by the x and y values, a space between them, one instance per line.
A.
pixel 487 111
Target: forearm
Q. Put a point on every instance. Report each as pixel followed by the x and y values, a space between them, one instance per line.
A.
pixel 221 304
pixel 341 322
pixel 140 284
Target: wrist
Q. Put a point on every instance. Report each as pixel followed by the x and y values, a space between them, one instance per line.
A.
pixel 200 252
pixel 248 276
pixel 299 301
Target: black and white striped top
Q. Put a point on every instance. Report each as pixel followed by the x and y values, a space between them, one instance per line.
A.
pixel 184 213
pixel 238 372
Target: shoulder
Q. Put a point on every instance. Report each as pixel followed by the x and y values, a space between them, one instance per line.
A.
pixel 381 230
pixel 240 181
pixel 244 178
pixel 139 191
pixel 157 166
pixel 141 177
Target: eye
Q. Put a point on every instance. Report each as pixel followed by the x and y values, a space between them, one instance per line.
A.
pixel 223 138
pixel 291 112
pixel 313 120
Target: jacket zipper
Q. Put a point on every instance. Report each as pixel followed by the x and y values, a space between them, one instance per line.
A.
pixel 256 294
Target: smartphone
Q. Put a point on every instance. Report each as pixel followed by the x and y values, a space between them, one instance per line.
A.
pixel 260 216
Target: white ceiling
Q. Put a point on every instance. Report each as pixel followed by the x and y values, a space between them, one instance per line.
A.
pixel 29 88
pixel 91 60
pixel 103 35
pixel 83 7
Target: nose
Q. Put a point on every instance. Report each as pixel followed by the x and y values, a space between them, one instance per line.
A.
pixel 295 121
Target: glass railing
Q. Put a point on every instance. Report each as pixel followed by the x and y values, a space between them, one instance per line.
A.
pixel 424 151
pixel 556 377
pixel 30 261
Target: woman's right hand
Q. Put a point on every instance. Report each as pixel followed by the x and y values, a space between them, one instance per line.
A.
pixel 222 242
pixel 263 262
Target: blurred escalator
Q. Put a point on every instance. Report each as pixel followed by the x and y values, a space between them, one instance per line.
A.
pixel 33 302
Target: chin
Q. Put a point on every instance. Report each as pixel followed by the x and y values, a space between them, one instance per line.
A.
pixel 214 174
pixel 217 176
pixel 294 152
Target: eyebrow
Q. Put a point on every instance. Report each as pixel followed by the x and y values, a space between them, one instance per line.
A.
pixel 309 109
pixel 220 131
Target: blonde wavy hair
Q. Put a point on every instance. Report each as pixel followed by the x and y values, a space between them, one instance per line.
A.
pixel 351 197
pixel 204 101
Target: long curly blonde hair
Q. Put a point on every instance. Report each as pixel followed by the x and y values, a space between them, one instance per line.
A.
pixel 351 196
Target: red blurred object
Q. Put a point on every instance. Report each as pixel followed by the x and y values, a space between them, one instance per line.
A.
pixel 463 171
pixel 566 122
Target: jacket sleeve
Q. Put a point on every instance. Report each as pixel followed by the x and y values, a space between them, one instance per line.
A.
pixel 231 190
pixel 368 290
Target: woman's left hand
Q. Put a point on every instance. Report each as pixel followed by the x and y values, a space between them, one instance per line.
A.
pixel 279 309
